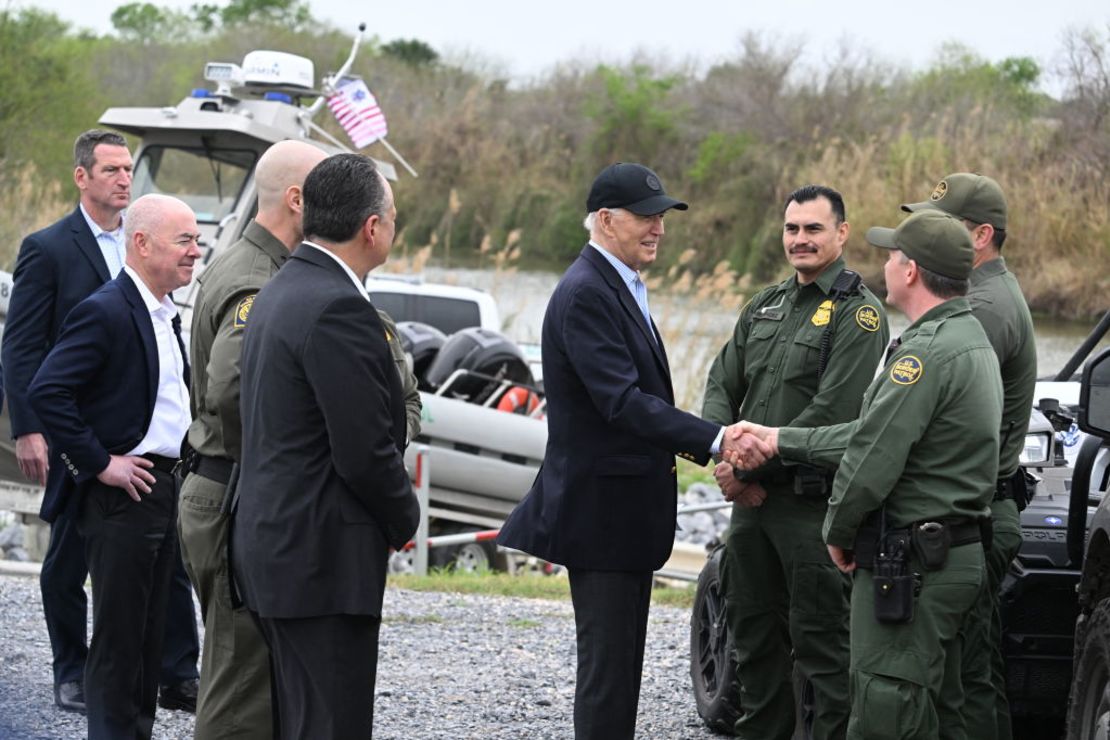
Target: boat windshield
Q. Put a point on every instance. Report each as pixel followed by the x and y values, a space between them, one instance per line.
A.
pixel 209 180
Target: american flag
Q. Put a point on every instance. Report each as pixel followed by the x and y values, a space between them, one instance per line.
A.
pixel 357 111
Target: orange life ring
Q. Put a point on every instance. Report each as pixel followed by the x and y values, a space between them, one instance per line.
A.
pixel 518 400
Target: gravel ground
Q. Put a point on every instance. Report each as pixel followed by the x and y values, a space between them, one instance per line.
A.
pixel 451 666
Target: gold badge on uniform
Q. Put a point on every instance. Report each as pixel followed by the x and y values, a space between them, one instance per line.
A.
pixel 906 370
pixel 242 311
pixel 868 318
pixel 388 336
pixel 939 190
pixel 823 313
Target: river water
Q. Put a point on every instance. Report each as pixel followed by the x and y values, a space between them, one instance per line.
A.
pixel 694 328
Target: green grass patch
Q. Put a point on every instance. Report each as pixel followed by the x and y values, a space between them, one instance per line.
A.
pixel 690 473
pixel 554 588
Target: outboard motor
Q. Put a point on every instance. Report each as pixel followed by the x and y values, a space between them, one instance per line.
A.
pixel 423 342
pixel 488 359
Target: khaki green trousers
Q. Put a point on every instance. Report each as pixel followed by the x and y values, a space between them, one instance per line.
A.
pixel 986 710
pixel 234 699
pixel 786 602
pixel 898 671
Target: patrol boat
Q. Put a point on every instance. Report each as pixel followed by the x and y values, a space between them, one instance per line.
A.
pixel 204 151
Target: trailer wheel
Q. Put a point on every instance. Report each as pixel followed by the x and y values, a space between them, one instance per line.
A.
pixel 712 660
pixel 470 557
pixel 1089 704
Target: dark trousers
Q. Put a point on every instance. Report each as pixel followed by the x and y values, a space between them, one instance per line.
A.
pixel 65 607
pixel 130 548
pixel 322 675
pixel 610 615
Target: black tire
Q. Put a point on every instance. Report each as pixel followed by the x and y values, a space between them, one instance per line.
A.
pixel 712 659
pixel 1089 703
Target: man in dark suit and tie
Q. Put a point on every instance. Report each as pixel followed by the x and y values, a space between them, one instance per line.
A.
pixel 114 401
pixel 323 492
pixel 604 502
pixel 57 268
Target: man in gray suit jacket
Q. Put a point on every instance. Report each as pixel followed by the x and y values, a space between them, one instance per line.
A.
pixel 323 492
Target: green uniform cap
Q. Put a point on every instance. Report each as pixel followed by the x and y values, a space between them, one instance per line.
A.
pixel 977 198
pixel 936 241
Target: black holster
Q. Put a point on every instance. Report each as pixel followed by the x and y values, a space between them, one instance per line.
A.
pixel 1016 487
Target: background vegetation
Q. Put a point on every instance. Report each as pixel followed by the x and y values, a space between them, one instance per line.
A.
pixel 504 167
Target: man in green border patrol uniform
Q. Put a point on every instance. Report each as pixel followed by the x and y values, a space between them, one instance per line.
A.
pixel 916 474
pixel 234 698
pixel 783 596
pixel 997 302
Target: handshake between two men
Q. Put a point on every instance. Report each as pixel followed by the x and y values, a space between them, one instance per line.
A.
pixel 745 447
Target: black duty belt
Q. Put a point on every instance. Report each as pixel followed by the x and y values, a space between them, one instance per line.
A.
pixel 801 477
pixel 161 462
pixel 964 531
pixel 213 468
pixel 961 531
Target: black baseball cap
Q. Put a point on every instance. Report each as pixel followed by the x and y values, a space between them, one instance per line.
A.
pixel 632 187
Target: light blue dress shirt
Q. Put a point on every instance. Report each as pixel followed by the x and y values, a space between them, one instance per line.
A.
pixel 635 285
pixel 111 243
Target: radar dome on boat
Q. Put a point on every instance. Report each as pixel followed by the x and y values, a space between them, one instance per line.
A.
pixel 278 68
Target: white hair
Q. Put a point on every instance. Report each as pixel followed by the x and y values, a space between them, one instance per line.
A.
pixel 591 219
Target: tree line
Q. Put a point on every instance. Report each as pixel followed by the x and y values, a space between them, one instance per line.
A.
pixel 504 164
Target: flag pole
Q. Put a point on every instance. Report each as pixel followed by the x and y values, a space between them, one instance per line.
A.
pixel 398 157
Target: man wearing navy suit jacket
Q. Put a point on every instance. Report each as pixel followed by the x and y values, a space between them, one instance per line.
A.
pixel 58 267
pixel 604 502
pixel 323 492
pixel 113 398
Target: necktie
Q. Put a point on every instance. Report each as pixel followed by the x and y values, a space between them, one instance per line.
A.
pixel 639 291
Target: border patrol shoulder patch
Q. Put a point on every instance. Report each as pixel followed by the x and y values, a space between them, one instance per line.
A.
pixel 867 318
pixel 242 311
pixel 907 370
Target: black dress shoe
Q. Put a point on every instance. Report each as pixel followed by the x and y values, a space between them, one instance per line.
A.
pixel 181 696
pixel 70 696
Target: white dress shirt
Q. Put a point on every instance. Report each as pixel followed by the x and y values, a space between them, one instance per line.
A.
pixel 346 268
pixel 171 417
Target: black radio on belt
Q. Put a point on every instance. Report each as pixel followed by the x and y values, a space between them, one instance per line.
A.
pixel 892 583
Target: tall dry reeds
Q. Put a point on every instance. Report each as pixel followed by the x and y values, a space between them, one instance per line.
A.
pixel 504 167
pixel 33 203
